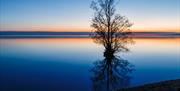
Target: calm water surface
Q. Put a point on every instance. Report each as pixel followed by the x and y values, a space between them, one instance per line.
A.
pixel 63 64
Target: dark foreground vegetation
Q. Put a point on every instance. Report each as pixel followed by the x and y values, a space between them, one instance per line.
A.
pixel 172 85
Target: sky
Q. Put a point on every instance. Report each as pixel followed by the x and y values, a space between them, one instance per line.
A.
pixel 76 15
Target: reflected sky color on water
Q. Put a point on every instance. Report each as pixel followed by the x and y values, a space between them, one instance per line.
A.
pixel 63 64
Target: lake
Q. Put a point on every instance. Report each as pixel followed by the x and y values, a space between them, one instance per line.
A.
pixel 63 64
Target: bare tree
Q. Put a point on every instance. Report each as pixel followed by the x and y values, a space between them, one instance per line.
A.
pixel 109 28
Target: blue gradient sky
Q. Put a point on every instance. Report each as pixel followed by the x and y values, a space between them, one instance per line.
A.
pixel 75 15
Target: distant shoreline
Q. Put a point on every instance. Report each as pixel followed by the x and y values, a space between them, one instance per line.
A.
pixel 11 34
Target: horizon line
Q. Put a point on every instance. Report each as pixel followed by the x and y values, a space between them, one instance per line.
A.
pixel 90 31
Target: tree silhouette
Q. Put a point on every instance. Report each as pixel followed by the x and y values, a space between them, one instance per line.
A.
pixel 109 28
pixel 112 31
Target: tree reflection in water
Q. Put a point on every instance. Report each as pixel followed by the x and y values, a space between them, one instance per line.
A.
pixel 113 72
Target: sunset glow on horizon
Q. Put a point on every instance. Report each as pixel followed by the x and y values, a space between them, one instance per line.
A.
pixel 75 15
